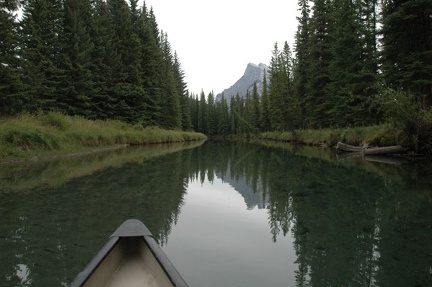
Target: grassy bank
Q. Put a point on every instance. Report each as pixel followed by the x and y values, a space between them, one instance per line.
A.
pixel 29 135
pixel 379 135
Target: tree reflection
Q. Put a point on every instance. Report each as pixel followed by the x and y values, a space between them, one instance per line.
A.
pixel 353 224
pixel 48 235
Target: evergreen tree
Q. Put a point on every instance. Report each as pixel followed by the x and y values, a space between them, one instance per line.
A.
pixel 123 61
pixel 233 118
pixel 202 112
pixel 291 102
pixel 103 102
pixel 170 100
pixel 302 66
pixel 277 90
pixel 76 87
pixel 11 99
pixel 211 116
pixel 183 94
pixel 264 107
pixel 41 27
pixel 316 98
pixel 344 100
pixel 194 108
pixel 407 46
pixel 223 117
pixel 151 66
pixel 255 109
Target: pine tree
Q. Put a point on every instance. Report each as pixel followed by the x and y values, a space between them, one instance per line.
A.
pixel 316 98
pixel 264 107
pixel 291 112
pixel 183 94
pixel 170 100
pixel 255 109
pixel 302 66
pixel 344 96
pixel 407 46
pixel 76 87
pixel 151 66
pixel 211 116
pixel 103 102
pixel 41 27
pixel 11 99
pixel 223 117
pixel 202 111
pixel 194 108
pixel 277 90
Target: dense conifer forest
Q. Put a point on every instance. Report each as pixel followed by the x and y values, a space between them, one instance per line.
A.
pixel 353 63
pixel 92 58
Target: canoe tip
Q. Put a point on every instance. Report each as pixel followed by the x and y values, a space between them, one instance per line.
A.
pixel 130 228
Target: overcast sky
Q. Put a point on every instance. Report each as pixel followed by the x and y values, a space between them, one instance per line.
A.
pixel 215 40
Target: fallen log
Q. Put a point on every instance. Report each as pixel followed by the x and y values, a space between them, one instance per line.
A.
pixel 365 150
pixel 397 149
pixel 350 148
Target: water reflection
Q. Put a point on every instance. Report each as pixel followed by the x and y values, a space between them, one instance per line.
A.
pixel 355 223
pixel 327 222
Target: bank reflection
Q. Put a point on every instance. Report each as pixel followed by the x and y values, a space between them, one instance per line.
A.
pixel 354 223
pixel 48 234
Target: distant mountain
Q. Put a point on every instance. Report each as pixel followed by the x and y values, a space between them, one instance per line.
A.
pixel 253 74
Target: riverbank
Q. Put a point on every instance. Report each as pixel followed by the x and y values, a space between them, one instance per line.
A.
pixel 378 135
pixel 27 136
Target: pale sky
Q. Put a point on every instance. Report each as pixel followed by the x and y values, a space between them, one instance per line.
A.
pixel 215 40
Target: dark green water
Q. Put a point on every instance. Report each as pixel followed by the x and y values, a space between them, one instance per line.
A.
pixel 226 214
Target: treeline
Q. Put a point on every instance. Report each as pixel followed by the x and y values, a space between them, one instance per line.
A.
pixel 356 63
pixel 100 59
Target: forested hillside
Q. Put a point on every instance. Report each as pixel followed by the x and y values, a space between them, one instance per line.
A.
pixel 355 63
pixel 93 58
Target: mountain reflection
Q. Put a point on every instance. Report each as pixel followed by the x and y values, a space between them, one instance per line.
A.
pixel 353 223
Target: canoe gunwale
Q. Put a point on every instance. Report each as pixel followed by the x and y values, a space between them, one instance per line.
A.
pixel 131 228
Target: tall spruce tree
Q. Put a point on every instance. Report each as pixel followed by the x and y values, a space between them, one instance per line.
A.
pixel 41 27
pixel 291 112
pixel 302 65
pixel 265 124
pixel 316 97
pixel 344 93
pixel 151 65
pixel 211 115
pixel 202 112
pixel 407 46
pixel 76 89
pixel 170 99
pixel 103 102
pixel 223 117
pixel 11 98
pixel 255 109
pixel 183 94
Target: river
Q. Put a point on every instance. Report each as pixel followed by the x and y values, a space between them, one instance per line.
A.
pixel 225 213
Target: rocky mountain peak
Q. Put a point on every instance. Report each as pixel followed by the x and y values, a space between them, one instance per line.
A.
pixel 253 74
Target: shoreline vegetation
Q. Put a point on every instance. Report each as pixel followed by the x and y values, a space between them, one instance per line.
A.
pixel 52 135
pixel 30 136
pixel 377 135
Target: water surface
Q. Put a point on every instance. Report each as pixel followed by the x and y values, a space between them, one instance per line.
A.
pixel 225 213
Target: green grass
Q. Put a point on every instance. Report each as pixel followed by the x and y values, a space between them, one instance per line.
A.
pixel 380 135
pixel 29 135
